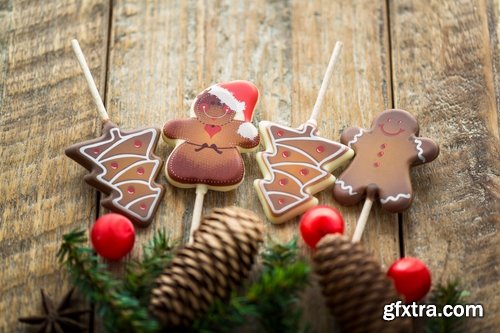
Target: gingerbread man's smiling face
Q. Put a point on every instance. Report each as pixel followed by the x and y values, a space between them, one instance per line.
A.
pixel 210 110
pixel 395 123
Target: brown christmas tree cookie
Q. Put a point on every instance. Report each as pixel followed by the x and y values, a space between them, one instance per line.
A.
pixel 384 155
pixel 123 166
pixel 208 145
pixel 297 163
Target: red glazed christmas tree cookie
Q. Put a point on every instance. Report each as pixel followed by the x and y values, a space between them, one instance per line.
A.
pixel 208 146
pixel 384 155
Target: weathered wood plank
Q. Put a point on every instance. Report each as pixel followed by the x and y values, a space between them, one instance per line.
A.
pixel 444 54
pixel 164 53
pixel 44 108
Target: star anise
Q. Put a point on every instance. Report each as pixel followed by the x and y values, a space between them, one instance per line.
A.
pixel 60 319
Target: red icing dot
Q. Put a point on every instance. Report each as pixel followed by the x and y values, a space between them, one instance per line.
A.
pixel 304 172
pixel 383 146
pixel 140 171
pixel 143 206
pixel 376 164
pixel 380 153
pixel 320 149
pixel 114 165
pixel 283 181
pixel 137 143
pixel 280 133
pixel 96 151
pixel 131 190
pixel 286 153
pixel 281 201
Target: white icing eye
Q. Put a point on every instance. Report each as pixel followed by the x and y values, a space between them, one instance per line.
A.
pixel 400 122
pixel 389 120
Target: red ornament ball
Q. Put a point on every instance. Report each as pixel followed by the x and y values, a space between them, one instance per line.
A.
pixel 113 236
pixel 412 278
pixel 318 222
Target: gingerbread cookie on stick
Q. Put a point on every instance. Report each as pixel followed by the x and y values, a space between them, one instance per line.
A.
pixel 298 162
pixel 208 146
pixel 122 164
pixel 381 167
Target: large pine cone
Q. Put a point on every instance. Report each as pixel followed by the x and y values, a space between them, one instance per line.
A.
pixel 219 259
pixel 355 287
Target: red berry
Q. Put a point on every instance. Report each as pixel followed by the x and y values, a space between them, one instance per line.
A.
pixel 318 222
pixel 113 236
pixel 412 278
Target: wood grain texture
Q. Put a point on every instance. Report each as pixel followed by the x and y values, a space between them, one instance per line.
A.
pixel 445 55
pixel 44 107
pixel 164 53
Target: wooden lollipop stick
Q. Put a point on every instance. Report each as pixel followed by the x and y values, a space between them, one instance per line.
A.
pixel 360 225
pixel 363 217
pixel 90 80
pixel 201 190
pixel 326 81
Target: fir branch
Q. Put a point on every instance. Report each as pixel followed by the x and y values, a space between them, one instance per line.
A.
pixel 273 295
pixel 140 275
pixel 448 294
pixel 121 312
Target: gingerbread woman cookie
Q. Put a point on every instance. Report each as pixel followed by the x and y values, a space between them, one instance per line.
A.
pixel 383 157
pixel 208 145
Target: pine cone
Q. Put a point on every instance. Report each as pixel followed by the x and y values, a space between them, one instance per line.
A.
pixel 219 259
pixel 355 287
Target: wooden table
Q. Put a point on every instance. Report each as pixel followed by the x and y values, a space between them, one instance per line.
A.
pixel 438 59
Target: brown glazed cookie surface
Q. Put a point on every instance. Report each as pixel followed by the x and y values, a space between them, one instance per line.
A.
pixel 208 144
pixel 123 166
pixel 384 155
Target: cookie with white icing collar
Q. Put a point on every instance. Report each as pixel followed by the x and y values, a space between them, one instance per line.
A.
pixel 384 155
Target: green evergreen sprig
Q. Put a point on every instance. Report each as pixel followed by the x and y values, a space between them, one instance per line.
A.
pixel 452 294
pixel 119 309
pixel 271 302
pixel 141 274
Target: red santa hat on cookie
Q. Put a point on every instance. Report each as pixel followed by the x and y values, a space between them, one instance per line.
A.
pixel 240 96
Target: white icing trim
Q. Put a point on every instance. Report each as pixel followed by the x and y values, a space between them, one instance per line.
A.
pixel 420 151
pixel 140 199
pixel 395 198
pixel 345 187
pixel 285 194
pixel 133 165
pixel 115 132
pixel 248 131
pixel 226 97
pixel 272 151
pixel 356 137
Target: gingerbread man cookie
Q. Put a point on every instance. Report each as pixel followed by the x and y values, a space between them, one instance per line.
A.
pixel 383 157
pixel 208 145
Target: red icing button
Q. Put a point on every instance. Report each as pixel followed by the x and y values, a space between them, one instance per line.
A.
pixel 286 153
pixel 383 146
pixel 114 165
pixel 380 153
pixel 320 149
pixel 96 151
pixel 137 143
pixel 281 201
pixel 143 206
pixel 283 181
pixel 131 190
pixel 140 171
pixel 280 133
pixel 376 164
pixel 304 172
